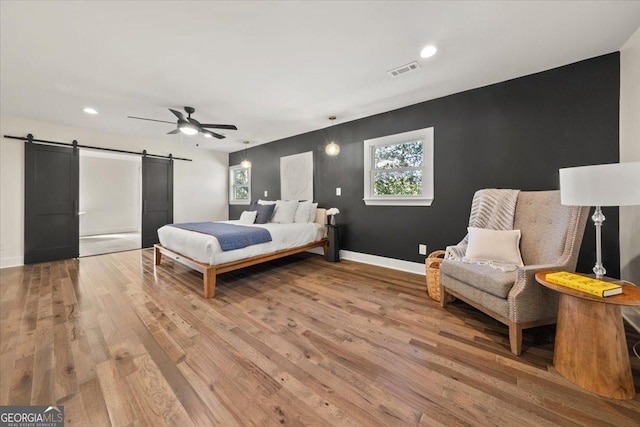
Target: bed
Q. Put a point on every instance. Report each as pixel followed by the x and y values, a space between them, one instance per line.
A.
pixel 202 252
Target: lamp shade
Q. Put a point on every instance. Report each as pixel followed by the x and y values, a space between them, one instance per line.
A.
pixel 615 184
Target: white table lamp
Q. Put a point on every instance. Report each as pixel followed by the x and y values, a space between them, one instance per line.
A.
pixel 616 184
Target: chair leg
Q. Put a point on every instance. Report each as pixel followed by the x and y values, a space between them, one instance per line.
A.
pixel 443 296
pixel 515 338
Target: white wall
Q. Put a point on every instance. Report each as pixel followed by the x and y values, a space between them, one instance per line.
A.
pixel 110 192
pixel 630 151
pixel 200 187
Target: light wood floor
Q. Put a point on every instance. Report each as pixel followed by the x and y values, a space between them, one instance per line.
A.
pixel 298 341
pixel 108 243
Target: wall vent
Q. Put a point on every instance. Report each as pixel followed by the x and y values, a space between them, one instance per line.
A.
pixel 404 69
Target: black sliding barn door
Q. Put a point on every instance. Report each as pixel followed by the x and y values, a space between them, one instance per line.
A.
pixel 51 187
pixel 157 197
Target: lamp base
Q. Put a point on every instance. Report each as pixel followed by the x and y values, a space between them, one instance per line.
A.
pixel 598 218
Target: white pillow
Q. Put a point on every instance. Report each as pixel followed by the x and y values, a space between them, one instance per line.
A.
pixel 494 245
pixel 266 202
pixel 312 212
pixel 248 217
pixel 284 211
pixel 302 212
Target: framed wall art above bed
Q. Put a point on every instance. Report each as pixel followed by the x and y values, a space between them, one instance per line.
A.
pixel 296 176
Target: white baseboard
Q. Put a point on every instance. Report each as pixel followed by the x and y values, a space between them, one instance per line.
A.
pixel 395 264
pixel 101 231
pixel 318 251
pixel 15 261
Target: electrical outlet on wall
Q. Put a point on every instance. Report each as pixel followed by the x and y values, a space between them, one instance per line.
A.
pixel 338 191
pixel 422 249
pixel 265 193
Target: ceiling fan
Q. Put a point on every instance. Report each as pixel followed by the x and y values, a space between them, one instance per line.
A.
pixel 190 126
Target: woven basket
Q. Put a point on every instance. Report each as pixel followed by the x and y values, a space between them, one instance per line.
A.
pixel 432 266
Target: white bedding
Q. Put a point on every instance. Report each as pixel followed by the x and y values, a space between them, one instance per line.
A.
pixel 206 248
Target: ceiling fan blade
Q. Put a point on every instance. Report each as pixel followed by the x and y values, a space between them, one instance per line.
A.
pixel 151 120
pixel 173 132
pixel 217 135
pixel 178 114
pixel 230 127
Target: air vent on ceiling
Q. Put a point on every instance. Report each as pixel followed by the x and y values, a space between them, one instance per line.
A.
pixel 404 69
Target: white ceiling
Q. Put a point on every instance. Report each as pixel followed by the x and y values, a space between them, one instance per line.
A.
pixel 277 69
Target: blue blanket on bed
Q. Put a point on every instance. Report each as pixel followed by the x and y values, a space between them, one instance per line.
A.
pixel 230 236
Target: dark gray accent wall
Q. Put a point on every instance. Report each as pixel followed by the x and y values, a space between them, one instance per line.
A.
pixel 514 134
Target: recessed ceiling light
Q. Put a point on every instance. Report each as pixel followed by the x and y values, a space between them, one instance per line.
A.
pixel 89 110
pixel 207 135
pixel 428 51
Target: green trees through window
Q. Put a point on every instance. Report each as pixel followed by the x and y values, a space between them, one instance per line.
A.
pixel 398 169
pixel 239 185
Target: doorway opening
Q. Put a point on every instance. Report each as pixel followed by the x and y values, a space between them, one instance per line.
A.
pixel 110 202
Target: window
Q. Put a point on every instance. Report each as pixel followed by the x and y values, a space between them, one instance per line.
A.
pixel 398 169
pixel 239 185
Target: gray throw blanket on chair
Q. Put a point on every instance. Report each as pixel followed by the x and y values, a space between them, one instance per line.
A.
pixel 491 208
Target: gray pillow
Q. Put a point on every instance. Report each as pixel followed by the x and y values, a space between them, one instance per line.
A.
pixel 264 213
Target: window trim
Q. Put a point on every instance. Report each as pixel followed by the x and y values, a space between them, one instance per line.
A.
pixel 232 186
pixel 426 136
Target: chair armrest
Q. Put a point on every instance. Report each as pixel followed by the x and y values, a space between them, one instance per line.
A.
pixel 527 273
pixel 528 300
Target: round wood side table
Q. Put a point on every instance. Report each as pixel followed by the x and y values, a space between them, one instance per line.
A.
pixel 590 345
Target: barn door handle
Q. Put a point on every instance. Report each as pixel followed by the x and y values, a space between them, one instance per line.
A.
pixel 144 206
pixel 75 208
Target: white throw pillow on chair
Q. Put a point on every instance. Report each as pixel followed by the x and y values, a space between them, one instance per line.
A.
pixel 501 246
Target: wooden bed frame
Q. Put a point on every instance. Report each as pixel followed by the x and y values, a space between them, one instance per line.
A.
pixel 210 272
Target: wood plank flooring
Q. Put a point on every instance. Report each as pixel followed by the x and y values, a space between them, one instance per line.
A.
pixel 296 341
pixel 108 243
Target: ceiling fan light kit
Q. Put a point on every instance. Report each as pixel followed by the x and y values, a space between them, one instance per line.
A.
pixel 189 126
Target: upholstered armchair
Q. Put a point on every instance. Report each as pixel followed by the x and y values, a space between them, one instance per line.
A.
pixel 551 235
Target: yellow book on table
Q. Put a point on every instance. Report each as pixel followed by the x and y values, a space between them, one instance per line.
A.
pixel 583 283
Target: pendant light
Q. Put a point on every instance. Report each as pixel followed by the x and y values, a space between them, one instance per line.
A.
pixel 332 149
pixel 245 163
